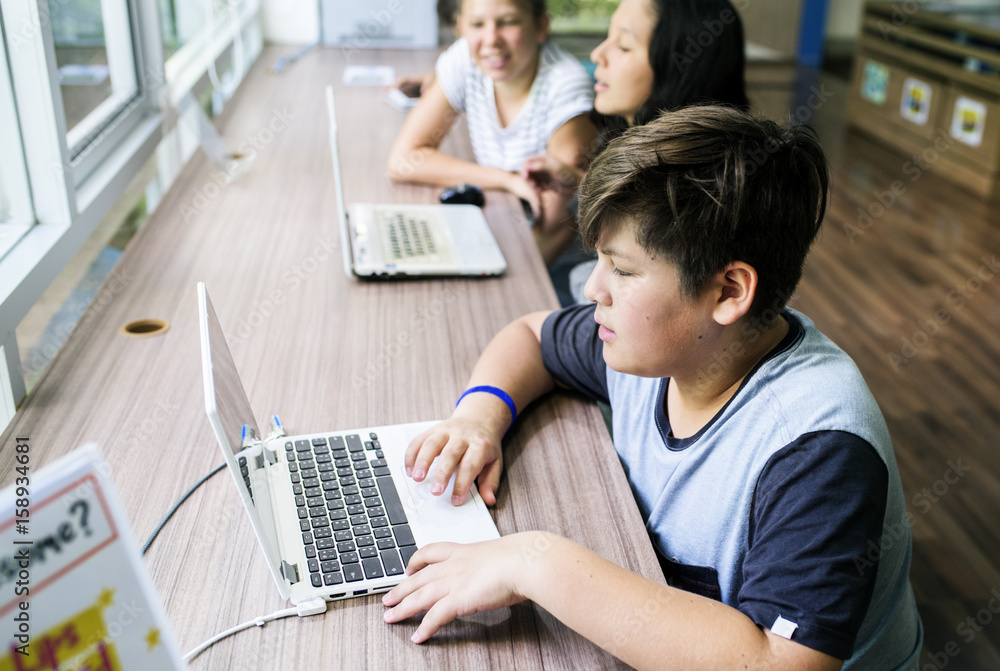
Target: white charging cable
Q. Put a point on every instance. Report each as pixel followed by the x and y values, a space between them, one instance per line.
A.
pixel 305 609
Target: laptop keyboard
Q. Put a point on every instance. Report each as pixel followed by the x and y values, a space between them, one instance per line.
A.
pixel 409 236
pixel 352 521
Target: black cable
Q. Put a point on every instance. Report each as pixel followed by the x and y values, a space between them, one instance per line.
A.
pixel 178 505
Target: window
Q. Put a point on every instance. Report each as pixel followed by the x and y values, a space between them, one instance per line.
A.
pixel 195 33
pixel 80 85
pixel 16 215
pixel 582 16
pixel 95 62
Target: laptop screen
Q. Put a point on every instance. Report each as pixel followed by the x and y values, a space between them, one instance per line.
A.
pixel 231 418
pixel 230 398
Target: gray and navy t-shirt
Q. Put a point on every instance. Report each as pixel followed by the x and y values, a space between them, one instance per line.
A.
pixel 787 504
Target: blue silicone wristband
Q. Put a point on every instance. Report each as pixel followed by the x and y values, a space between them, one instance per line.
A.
pixel 496 391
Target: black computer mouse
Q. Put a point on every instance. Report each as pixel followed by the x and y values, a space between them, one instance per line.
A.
pixel 463 194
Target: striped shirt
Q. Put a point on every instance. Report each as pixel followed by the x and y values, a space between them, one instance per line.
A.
pixel 562 90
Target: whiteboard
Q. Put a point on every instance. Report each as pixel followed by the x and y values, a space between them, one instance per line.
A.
pixel 380 24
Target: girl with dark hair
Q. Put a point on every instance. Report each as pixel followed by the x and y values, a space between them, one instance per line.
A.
pixel 659 55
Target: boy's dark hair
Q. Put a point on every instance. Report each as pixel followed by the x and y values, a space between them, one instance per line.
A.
pixel 706 186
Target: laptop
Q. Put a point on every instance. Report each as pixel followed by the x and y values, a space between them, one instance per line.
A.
pixel 396 241
pixel 333 511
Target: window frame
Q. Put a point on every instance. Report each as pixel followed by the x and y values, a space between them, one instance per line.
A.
pixel 67 199
pixel 16 211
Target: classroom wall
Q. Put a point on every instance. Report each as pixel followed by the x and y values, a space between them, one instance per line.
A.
pixel 290 21
pixel 297 21
pixel 843 19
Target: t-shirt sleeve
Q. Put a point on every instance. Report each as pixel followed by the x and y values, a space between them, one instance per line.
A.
pixel 572 352
pixel 452 71
pixel 570 94
pixel 818 509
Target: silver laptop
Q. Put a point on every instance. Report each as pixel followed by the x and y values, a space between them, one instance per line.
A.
pixel 385 241
pixel 333 511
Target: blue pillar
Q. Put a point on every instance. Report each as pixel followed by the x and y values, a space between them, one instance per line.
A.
pixel 811 33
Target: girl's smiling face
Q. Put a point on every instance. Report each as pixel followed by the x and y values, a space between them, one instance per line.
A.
pixel 503 37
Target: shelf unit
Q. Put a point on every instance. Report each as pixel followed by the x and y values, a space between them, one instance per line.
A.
pixel 927 81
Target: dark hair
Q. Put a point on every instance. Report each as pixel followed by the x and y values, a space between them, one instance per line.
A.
pixel 697 55
pixel 447 11
pixel 452 8
pixel 705 186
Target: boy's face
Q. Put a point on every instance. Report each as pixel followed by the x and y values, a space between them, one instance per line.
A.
pixel 648 326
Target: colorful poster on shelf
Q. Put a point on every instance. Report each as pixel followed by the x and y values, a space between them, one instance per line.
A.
pixel 968 120
pixel 875 82
pixel 74 592
pixel 915 104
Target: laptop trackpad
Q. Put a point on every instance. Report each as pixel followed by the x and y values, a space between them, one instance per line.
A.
pixel 436 519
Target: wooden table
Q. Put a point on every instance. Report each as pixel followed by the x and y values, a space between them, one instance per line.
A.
pixel 323 352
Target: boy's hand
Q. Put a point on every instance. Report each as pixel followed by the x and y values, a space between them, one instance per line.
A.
pixel 450 580
pixel 463 446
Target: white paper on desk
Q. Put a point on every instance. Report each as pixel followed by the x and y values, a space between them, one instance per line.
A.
pixel 369 75
pixel 400 100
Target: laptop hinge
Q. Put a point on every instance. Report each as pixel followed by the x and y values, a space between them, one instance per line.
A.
pixel 290 571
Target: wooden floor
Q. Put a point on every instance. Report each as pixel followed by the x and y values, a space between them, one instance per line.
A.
pixel 909 286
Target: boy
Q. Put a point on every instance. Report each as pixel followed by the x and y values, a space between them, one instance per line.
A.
pixel 758 457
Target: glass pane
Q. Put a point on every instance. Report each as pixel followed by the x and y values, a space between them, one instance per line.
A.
pixel 96 63
pixel 180 20
pixel 582 9
pixel 15 201
pixel 4 203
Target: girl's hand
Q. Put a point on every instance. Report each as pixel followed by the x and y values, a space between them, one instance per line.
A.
pixel 547 173
pixel 526 191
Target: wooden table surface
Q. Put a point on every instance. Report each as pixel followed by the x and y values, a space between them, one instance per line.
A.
pixel 324 352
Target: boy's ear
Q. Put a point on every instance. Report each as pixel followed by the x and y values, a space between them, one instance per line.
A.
pixel 735 287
